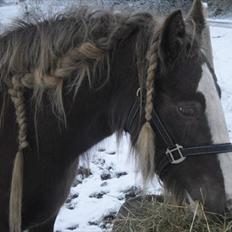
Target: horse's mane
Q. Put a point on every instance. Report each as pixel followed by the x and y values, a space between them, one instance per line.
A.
pixel 69 47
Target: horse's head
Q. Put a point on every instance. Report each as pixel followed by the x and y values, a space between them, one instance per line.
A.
pixel 187 101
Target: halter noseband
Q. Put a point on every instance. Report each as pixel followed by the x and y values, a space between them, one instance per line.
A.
pixel 173 153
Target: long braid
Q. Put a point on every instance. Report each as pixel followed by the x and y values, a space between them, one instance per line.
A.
pixel 146 139
pixel 16 93
pixel 150 79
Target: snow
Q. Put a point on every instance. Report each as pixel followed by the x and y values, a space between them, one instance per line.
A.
pixel 107 159
pixel 96 196
pixel 8 12
pixel 221 42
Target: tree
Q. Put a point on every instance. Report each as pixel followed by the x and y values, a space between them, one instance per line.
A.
pixel 218 7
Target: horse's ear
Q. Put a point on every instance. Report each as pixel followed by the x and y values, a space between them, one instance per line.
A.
pixel 196 14
pixel 172 37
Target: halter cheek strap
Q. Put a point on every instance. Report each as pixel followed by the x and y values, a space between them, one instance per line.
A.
pixel 172 152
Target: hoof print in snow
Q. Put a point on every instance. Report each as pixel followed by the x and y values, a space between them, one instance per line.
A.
pixel 68 201
pixel 132 192
pixel 73 227
pixel 71 207
pixel 76 182
pixel 111 153
pixel 101 149
pixel 121 197
pixel 100 162
pixel 84 172
pixel 110 168
pixel 93 223
pixel 97 195
pixel 74 196
pixel 119 174
pixel 105 176
pixel 108 220
pixel 71 197
pixel 103 184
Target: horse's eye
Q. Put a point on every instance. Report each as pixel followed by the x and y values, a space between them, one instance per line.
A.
pixel 187 110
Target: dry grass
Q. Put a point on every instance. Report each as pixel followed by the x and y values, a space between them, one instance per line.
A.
pixel 152 216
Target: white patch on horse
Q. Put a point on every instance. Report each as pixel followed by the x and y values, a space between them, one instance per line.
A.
pixel 217 124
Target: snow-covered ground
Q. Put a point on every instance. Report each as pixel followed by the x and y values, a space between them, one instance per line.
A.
pixel 97 198
pixel 99 190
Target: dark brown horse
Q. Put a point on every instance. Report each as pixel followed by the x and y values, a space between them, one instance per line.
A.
pixel 69 81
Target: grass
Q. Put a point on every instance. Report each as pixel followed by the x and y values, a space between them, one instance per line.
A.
pixel 153 216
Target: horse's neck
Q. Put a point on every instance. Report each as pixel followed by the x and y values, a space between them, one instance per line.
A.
pixel 99 113
pixel 95 113
pixel 124 76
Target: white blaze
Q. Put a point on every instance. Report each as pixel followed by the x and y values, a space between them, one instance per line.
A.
pixel 217 125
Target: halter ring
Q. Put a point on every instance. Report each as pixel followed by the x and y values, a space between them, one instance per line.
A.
pixel 175 155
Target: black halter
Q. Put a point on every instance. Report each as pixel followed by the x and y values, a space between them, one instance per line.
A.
pixel 174 153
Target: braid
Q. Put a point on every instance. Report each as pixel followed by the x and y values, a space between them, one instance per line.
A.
pixel 151 78
pixel 16 93
pixel 146 139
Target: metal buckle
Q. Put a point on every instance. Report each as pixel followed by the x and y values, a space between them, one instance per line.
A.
pixel 173 154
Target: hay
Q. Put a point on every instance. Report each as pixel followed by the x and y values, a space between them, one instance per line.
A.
pixel 152 216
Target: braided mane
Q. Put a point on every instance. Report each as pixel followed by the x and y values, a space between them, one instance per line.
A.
pixel 67 48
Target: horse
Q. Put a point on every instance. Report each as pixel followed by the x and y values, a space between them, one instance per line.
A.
pixel 69 81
